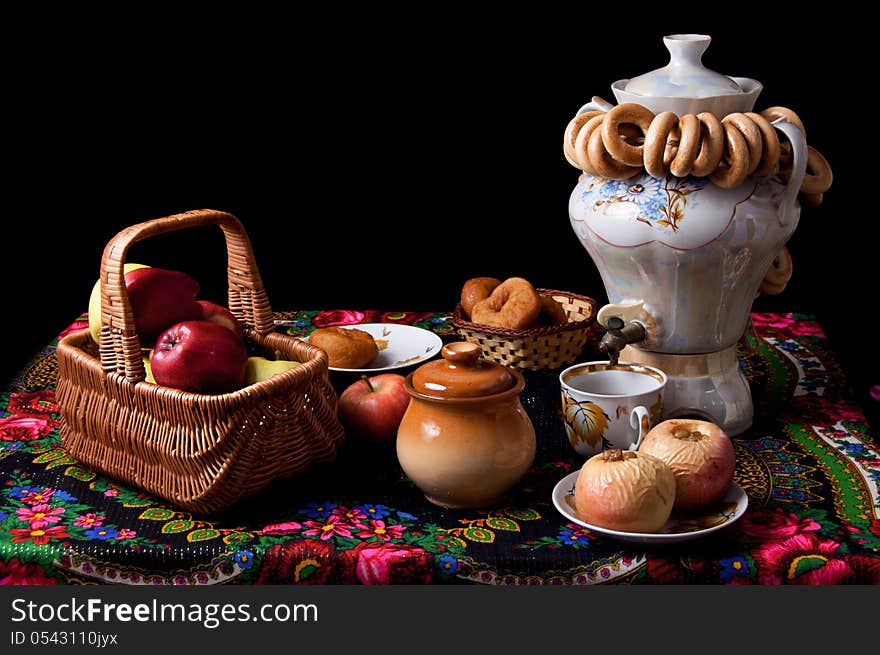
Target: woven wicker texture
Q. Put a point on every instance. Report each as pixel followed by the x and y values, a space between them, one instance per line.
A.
pixel 536 349
pixel 201 452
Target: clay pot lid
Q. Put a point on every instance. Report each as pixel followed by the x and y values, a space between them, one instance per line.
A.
pixel 462 374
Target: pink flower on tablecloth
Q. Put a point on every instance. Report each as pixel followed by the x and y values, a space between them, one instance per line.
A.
pixel 848 413
pixel 40 536
pixel 15 572
pixel 353 515
pixel 822 411
pixel 337 317
pixel 807 559
pixel 24 428
pixel 775 525
pixel 866 570
pixel 36 403
pixel 90 520
pixel 787 323
pixel 110 493
pixel 125 533
pixel 394 564
pixel 807 329
pixel 286 527
pixel 675 569
pixel 302 561
pixel 38 497
pixel 39 516
pixel 769 320
pixel 378 530
pixel 76 326
pixel 332 525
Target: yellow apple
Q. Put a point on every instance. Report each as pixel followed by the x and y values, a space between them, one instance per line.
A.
pixel 260 368
pixel 95 304
pixel 148 369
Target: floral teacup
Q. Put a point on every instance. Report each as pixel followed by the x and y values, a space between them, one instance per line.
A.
pixel 610 406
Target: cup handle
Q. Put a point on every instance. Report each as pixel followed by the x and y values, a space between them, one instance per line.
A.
pixel 640 419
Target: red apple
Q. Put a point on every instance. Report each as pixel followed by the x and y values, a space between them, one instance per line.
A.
pixel 160 298
pixel 372 408
pixel 199 356
pixel 215 313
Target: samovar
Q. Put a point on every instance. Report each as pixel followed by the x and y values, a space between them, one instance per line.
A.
pixel 684 237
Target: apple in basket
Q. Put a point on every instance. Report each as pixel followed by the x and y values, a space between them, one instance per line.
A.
pixel 215 313
pixel 260 368
pixel 159 298
pixel 199 356
pixel 372 408
pixel 95 303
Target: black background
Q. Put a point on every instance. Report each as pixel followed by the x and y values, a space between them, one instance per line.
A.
pixel 381 167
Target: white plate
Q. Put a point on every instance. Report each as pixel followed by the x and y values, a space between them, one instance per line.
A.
pixel 399 346
pixel 676 529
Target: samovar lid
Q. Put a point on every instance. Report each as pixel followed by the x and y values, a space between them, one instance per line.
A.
pixel 684 76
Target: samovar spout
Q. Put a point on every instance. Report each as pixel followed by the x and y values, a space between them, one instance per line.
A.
pixel 619 335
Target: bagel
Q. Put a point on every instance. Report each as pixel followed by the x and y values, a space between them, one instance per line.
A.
pixel 711 147
pixel 818 177
pixel 734 174
pixel 571 133
pixel 775 113
pixel 619 150
pixel 346 348
pixel 778 274
pixel 655 143
pixel 810 199
pixel 771 151
pixel 753 136
pixel 552 312
pixel 688 144
pixel 604 162
pixel 514 304
pixel 582 141
pixel 475 290
pixel 625 140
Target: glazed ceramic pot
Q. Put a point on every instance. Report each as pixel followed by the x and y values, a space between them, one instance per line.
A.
pixel 465 439
pixel 682 256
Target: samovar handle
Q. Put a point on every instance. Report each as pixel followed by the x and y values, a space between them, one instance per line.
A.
pixel 595 104
pixel 798 168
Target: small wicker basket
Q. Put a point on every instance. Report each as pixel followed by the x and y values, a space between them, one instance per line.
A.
pixel 201 452
pixel 536 349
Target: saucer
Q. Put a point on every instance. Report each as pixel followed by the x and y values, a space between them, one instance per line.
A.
pixel 400 346
pixel 678 528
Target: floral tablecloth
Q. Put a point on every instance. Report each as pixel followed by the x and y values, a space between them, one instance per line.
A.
pixel 809 466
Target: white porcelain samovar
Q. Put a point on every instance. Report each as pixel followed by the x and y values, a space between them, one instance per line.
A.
pixel 682 258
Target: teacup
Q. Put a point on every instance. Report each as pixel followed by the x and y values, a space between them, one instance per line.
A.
pixel 607 406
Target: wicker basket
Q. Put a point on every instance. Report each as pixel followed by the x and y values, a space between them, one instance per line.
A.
pixel 200 452
pixel 540 348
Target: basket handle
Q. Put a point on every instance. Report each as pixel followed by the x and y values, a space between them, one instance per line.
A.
pixel 120 349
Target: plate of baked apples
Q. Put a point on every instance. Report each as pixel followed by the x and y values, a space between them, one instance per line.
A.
pixel 375 347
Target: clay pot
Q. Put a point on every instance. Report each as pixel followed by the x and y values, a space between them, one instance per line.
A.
pixel 465 439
